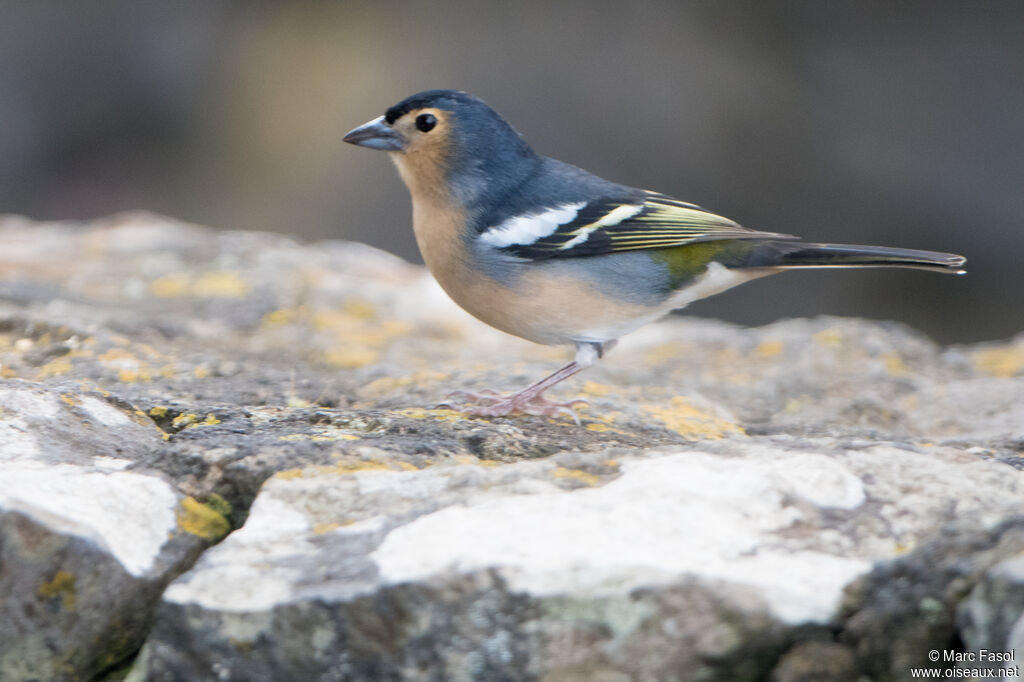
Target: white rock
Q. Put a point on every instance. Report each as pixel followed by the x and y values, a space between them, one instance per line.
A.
pixel 131 515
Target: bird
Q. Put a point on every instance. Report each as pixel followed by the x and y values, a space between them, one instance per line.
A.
pixel 546 251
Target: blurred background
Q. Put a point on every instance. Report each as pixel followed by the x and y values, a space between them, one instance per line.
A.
pixel 897 123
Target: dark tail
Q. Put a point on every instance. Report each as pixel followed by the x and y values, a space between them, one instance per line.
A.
pixel 802 255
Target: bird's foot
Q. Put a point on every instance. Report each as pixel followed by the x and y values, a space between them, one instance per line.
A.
pixel 490 404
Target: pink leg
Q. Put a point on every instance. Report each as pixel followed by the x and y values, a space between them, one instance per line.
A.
pixel 530 400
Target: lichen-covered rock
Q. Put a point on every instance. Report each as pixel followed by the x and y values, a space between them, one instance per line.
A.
pixel 86 544
pixel 813 497
pixel 699 563
pixel 992 617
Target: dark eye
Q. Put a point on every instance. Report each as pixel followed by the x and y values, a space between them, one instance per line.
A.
pixel 425 122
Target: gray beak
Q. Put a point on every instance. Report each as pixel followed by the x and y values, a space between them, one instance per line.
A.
pixel 376 134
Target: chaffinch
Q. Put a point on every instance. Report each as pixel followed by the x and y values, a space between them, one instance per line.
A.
pixel 551 253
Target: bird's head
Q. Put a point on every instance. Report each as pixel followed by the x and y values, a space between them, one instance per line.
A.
pixel 448 142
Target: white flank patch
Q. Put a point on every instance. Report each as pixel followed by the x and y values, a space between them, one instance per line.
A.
pixel 716 279
pixel 527 229
pixel 130 515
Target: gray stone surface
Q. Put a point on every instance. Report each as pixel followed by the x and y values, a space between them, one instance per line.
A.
pixel 814 499
pixel 992 617
pixel 87 544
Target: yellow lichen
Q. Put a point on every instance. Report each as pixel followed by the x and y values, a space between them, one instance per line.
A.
pixel 595 389
pixel 682 417
pixel 830 338
pixel 1001 361
pixel 769 349
pixel 187 420
pixel 219 504
pixel 344 467
pixel 200 372
pixel 280 318
pixel 385 385
pixel 327 527
pixel 576 475
pixel 158 411
pixel 354 466
pixel 360 309
pixel 894 365
pixel 604 425
pixel 169 286
pixel 440 414
pixel 351 335
pixel 184 419
pixel 206 285
pixel 663 353
pixel 351 358
pixel 220 285
pixel 201 520
pixel 128 376
pixel 793 405
pixel 62 585
pixel 69 399
pixel 55 367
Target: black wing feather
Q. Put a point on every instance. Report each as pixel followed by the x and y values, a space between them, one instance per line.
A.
pixel 655 221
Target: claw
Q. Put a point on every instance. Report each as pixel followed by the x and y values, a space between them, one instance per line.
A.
pixel 483 394
pixel 491 405
pixel 571 413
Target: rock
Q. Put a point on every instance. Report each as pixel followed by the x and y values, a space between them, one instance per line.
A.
pixel 87 545
pixel 809 500
pixel 816 661
pixel 991 618
pixel 703 559
pixel 907 607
